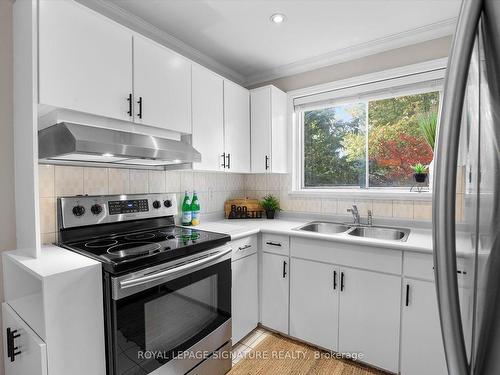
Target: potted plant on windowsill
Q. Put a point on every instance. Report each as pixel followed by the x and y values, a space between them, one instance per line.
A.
pixel 419 172
pixel 270 204
pixel 428 124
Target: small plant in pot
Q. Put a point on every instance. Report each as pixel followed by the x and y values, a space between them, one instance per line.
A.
pixel 270 204
pixel 419 172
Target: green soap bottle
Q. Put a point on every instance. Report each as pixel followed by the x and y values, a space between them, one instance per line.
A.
pixel 186 210
pixel 195 210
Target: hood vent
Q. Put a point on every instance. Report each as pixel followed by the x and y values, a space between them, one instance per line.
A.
pixel 75 144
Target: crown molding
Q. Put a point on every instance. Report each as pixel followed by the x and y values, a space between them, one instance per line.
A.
pixel 398 40
pixel 143 27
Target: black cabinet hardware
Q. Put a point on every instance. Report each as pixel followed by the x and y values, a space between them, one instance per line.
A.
pixel 12 350
pixel 273 243
pixel 228 161
pixel 334 279
pixel 244 247
pixel 223 165
pixel 284 269
pixel 267 162
pixel 129 100
pixel 140 107
pixel 342 281
pixel 407 294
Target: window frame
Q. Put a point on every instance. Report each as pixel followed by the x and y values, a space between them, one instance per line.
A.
pixel 435 72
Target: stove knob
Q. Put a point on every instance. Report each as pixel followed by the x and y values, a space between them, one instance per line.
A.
pixel 157 204
pixel 78 210
pixel 168 203
pixel 96 209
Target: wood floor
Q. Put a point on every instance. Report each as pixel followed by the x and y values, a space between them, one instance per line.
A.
pixel 263 352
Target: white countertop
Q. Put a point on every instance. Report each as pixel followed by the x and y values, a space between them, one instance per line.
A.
pixel 419 240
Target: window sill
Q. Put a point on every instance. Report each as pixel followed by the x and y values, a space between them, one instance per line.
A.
pixel 392 194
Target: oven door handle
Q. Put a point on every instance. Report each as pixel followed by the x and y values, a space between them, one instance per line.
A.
pixel 161 274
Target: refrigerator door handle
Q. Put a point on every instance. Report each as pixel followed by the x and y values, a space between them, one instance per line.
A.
pixel 444 190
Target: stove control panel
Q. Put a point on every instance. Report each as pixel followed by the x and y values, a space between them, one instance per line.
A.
pixel 91 210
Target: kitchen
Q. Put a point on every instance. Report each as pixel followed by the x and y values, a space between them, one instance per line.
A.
pixel 213 187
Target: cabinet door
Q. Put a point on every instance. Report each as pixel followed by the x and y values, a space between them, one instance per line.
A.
pixel 274 293
pixel 237 127
pixel 369 318
pixel 260 114
pixel 85 60
pixel 162 83
pixel 422 350
pixel 314 302
pixel 245 299
pixel 208 122
pixel 33 357
pixel 279 133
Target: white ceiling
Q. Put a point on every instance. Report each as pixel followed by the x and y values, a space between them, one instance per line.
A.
pixel 238 35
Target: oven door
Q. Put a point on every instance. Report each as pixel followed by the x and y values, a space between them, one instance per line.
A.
pixel 170 318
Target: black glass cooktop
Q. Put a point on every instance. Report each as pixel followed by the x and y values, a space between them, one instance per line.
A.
pixel 133 250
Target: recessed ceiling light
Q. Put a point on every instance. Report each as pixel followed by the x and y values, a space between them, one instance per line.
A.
pixel 108 155
pixel 278 18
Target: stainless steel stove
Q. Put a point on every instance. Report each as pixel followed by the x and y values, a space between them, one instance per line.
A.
pixel 167 289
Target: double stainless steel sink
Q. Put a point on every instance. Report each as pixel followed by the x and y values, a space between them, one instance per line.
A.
pixel 358 230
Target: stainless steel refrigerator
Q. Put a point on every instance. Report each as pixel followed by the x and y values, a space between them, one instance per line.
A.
pixel 466 205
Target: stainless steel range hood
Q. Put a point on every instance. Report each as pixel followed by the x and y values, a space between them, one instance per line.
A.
pixel 75 144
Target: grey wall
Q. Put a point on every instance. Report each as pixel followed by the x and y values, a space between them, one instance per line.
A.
pixel 7 213
pixel 429 50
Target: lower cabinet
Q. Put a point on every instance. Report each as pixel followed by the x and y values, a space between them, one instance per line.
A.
pixel 274 291
pixel 421 330
pixel 314 302
pixel 245 299
pixel 32 357
pixel 369 316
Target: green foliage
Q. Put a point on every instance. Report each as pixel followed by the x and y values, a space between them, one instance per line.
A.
pixel 334 142
pixel 428 124
pixel 330 154
pixel 419 168
pixel 270 203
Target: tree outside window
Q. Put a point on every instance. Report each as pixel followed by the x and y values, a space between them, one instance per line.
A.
pixel 336 140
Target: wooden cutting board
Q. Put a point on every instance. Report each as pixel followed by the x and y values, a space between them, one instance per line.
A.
pixel 252 205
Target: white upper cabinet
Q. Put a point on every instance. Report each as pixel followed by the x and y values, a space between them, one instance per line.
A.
pixel 85 60
pixel 268 130
pixel 208 118
pixel 236 127
pixel 162 87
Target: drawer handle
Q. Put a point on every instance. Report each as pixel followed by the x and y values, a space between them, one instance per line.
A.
pixel 12 350
pixel 407 294
pixel 244 247
pixel 273 243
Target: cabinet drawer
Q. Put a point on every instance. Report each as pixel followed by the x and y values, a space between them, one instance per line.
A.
pixel 275 243
pixel 243 247
pixel 359 256
pixel 422 266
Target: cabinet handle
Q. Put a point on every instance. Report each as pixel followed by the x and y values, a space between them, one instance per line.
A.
pixel 267 162
pixel 407 294
pixel 244 247
pixel 284 268
pixel 129 100
pixel 342 281
pixel 334 279
pixel 140 107
pixel 228 161
pixel 273 243
pixel 12 350
pixel 223 165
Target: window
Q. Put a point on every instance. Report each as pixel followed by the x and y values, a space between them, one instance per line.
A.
pixel 366 143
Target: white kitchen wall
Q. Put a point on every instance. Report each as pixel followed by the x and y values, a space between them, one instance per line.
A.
pixel 213 188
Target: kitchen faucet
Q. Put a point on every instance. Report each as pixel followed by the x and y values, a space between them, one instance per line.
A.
pixel 355 213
